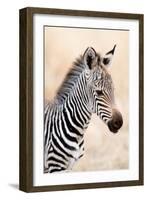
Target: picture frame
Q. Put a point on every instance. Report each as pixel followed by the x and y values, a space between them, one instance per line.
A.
pixel 27 95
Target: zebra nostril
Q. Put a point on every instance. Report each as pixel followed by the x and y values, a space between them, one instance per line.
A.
pixel 117 124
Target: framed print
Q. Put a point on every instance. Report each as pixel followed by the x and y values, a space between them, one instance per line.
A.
pixel 81 99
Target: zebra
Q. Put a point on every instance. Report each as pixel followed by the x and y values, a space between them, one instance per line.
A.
pixel 88 88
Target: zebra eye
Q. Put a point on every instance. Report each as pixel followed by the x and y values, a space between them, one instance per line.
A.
pixel 99 92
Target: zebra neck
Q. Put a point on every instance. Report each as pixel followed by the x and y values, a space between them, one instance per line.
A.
pixel 77 105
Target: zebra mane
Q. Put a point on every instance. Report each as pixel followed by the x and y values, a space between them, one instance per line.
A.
pixel 70 80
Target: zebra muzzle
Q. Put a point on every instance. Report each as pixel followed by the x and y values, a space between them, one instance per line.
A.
pixel 116 122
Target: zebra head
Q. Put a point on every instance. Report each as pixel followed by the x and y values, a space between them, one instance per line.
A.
pixel 101 89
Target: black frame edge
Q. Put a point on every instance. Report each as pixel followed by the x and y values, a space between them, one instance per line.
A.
pixel 22 101
pixel 84 13
pixel 26 101
pixel 141 99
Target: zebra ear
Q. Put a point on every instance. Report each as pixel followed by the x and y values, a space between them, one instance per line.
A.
pixel 89 57
pixel 107 60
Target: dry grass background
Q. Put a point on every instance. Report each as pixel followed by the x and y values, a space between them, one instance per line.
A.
pixel 103 149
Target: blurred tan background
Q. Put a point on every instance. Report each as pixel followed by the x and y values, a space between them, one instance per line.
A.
pixel 103 149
